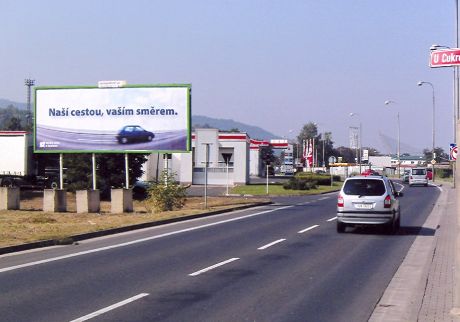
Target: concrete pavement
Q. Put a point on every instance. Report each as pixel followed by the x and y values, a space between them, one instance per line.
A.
pixel 426 285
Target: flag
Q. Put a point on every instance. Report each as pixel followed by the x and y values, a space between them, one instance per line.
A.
pixel 310 153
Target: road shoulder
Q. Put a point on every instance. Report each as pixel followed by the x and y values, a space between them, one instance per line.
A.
pixel 422 288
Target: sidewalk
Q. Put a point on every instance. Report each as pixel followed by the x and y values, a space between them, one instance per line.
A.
pixel 424 287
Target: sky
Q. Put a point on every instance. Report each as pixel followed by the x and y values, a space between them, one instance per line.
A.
pixel 277 64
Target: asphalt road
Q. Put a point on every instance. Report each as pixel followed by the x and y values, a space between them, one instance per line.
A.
pixel 283 262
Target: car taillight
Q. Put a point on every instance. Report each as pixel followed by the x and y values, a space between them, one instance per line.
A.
pixel 387 202
pixel 340 201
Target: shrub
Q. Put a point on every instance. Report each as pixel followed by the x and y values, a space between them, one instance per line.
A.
pixel 166 195
pixel 321 179
pixel 295 183
pixel 444 173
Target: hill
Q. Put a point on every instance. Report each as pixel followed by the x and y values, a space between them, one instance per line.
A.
pixel 254 132
pixel 5 103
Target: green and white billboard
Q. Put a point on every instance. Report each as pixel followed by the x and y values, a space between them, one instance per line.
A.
pixel 138 118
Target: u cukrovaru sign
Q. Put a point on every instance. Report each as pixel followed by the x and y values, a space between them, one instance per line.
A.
pixel 138 118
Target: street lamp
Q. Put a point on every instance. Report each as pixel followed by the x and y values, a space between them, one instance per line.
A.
pixel 29 83
pixel 420 83
pixel 398 152
pixel 358 159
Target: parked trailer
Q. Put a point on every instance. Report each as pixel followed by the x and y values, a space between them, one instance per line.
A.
pixel 19 167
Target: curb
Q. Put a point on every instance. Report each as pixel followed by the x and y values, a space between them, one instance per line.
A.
pixel 74 238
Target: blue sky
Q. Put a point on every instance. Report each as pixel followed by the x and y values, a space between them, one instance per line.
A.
pixel 274 64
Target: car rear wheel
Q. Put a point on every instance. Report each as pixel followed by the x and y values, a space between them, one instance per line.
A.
pixel 123 140
pixel 340 227
pixel 393 226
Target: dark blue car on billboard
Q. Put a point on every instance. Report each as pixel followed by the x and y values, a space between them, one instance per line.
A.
pixel 134 133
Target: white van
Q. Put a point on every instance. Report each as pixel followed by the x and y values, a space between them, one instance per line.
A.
pixel 418 176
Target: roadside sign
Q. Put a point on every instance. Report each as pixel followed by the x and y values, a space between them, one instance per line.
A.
pixel 453 152
pixel 365 156
pixel 433 162
pixel 332 159
pixel 445 57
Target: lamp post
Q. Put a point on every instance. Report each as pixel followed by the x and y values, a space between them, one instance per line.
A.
pixel 420 83
pixel 456 105
pixel 358 159
pixel 398 151
pixel 29 83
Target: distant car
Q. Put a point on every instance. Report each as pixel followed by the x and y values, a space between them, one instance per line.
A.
pixel 406 175
pixel 418 176
pixel 429 173
pixel 368 200
pixel 140 189
pixel 370 172
pixel 134 133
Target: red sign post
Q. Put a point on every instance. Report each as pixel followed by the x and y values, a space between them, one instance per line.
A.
pixel 445 57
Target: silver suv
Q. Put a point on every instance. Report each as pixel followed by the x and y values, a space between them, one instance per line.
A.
pixel 418 176
pixel 368 200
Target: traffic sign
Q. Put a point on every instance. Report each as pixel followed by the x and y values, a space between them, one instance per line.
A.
pixel 453 152
pixel 445 57
pixel 433 162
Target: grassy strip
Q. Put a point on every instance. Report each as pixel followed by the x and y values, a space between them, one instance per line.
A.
pixel 278 190
pixel 31 225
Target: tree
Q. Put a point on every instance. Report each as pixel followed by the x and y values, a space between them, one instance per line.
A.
pixel 267 155
pixel 324 140
pixel 372 151
pixel 309 131
pixel 13 124
pixel 13 119
pixel 348 155
pixel 110 171
pixel 440 155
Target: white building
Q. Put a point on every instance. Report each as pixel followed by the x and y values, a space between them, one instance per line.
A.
pixel 227 155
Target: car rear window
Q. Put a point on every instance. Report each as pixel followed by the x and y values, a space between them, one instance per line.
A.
pixel 418 172
pixel 364 187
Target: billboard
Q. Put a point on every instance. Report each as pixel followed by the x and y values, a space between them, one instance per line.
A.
pixel 140 118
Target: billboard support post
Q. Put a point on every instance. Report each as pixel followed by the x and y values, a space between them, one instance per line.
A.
pixel 127 171
pixel 61 171
pixel 94 170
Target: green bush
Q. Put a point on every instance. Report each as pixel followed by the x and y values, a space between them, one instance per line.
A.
pixel 444 173
pixel 166 195
pixel 321 179
pixel 295 183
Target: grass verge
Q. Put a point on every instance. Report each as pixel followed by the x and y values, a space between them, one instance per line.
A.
pixel 31 224
pixel 277 189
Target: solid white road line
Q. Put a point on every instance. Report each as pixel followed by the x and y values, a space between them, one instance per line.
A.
pixel 271 244
pixel 110 308
pixel 213 266
pixel 6 269
pixel 400 185
pixel 332 219
pixel 307 229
